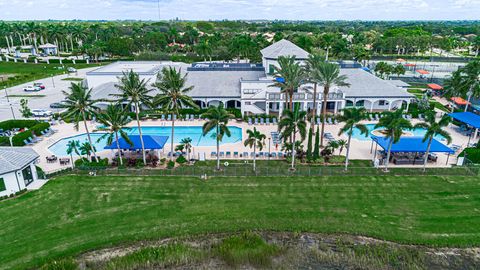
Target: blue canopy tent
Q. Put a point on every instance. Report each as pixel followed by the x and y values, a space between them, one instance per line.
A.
pixel 468 118
pixel 412 145
pixel 151 142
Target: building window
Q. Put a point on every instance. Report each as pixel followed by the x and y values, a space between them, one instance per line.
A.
pixel 251 91
pixel 248 103
pixel 383 103
pixel 27 175
pixel 2 185
pixel 271 69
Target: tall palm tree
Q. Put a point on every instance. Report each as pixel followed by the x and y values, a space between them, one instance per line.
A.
pixel 393 124
pixel 289 76
pixel 328 75
pixel 79 106
pixel 352 118
pixel 291 123
pixel 256 140
pixel 114 118
pixel 217 120
pixel 86 148
pixel 135 92
pixel 434 128
pixel 173 94
pixel 72 147
pixel 313 62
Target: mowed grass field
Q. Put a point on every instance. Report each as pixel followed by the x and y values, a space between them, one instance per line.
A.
pixel 73 214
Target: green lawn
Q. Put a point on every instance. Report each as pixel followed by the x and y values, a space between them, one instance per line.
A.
pixel 19 73
pixel 72 214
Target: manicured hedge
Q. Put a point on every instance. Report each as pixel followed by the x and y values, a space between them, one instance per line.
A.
pixel 38 128
pixel 11 124
pixel 18 139
pixel 473 154
pixel 4 141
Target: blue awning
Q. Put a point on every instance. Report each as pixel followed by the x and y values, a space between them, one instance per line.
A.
pixel 468 118
pixel 150 142
pixel 412 145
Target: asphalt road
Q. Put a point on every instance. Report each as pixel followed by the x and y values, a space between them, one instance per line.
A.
pixel 53 93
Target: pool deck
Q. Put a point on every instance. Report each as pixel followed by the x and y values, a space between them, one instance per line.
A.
pixel 360 149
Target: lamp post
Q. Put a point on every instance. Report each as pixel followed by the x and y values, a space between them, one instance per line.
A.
pixel 269 139
pixel 10 104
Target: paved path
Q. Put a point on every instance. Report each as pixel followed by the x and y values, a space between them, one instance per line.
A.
pixel 52 94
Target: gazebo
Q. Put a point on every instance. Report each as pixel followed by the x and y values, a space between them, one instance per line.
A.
pixel 408 146
pixel 151 142
pixel 469 119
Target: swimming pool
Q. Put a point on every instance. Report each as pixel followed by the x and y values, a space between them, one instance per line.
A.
pixel 371 127
pixel 195 133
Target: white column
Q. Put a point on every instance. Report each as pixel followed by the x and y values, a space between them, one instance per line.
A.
pixel 267 108
pixel 371 105
pixel 280 108
pixel 408 104
pixel 335 109
pixel 475 134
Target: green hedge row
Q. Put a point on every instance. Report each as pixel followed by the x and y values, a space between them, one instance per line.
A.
pixel 18 139
pixel 11 124
pixel 473 154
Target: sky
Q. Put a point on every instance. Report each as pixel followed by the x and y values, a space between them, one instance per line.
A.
pixel 240 9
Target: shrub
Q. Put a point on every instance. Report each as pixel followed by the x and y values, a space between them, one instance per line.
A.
pixel 11 124
pixel 4 141
pixel 40 127
pixel 181 160
pixel 18 139
pixel 170 164
pixel 473 154
pixel 84 163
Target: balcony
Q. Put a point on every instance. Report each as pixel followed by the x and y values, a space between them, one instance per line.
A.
pixel 304 96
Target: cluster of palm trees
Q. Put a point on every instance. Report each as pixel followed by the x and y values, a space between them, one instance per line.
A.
pixel 135 93
pixel 465 82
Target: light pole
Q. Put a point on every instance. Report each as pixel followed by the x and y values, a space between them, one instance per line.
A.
pixel 8 100
pixel 269 139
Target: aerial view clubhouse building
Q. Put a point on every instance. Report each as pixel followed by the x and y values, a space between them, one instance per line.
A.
pixel 249 87
pixel 17 169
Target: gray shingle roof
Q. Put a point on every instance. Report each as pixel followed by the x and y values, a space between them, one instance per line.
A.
pixel 15 158
pixel 365 84
pixel 284 48
pixel 206 84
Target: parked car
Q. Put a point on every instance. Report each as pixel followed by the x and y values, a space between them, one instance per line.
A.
pixel 41 113
pixel 71 69
pixel 57 105
pixel 31 88
pixel 39 84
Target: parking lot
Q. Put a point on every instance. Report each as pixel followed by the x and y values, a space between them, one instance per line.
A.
pixel 37 100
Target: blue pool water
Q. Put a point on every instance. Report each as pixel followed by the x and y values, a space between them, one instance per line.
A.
pixel 371 127
pixel 195 133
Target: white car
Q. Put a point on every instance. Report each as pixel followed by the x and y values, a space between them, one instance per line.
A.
pixel 41 113
pixel 31 88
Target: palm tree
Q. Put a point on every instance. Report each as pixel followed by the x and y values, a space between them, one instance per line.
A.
pixel 289 76
pixel 185 144
pixel 352 118
pixel 328 75
pixel 313 62
pixel 434 128
pixel 79 105
pixel 217 120
pixel 72 147
pixel 393 124
pixel 255 139
pixel 291 123
pixel 86 148
pixel 173 94
pixel 341 144
pixel 115 119
pixel 134 91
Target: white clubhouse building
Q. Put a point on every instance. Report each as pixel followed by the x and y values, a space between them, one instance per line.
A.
pixel 17 169
pixel 249 86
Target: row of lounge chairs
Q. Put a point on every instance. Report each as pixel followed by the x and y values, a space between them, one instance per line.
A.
pixel 248 155
pixel 329 136
pixel 34 139
pixel 329 121
pixel 262 121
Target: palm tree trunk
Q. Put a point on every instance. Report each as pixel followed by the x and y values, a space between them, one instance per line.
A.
pixel 348 150
pixel 120 161
pixel 326 56
pixel 88 135
pixel 427 153
pixel 388 154
pixel 314 107
pixel 71 159
pixel 218 151
pixel 173 132
pixel 254 156
pixel 140 133
pixel 293 150
pixel 291 101
pixel 324 113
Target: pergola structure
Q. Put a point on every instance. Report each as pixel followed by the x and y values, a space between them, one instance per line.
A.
pixel 468 118
pixel 150 142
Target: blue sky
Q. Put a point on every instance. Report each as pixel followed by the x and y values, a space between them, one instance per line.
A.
pixel 241 9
